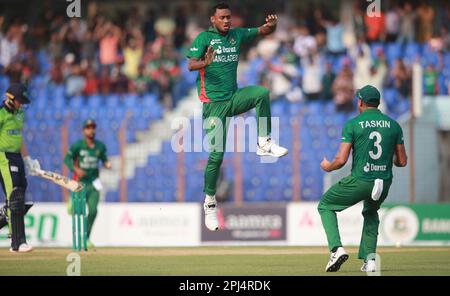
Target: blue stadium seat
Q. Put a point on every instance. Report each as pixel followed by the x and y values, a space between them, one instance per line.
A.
pixel 95 101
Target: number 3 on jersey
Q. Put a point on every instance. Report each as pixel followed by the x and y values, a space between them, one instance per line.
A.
pixel 377 142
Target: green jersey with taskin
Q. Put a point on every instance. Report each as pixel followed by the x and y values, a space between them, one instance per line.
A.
pixel 218 81
pixel 374 136
pixel 11 125
pixel 87 158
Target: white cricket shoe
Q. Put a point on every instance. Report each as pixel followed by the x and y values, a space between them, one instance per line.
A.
pixel 369 266
pixel 23 248
pixel 271 149
pixel 336 260
pixel 210 206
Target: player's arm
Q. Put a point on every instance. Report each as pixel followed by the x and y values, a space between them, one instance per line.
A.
pixel 201 53
pixel 339 160
pixel 104 158
pixel 196 64
pixel 23 150
pixel 400 157
pixel 270 26
pixel 69 161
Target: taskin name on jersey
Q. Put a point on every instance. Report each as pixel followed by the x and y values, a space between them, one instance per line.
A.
pixel 375 123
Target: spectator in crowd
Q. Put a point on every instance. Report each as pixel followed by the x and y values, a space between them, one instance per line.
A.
pixel 407 24
pixel 392 24
pixel 104 81
pixel 445 38
pixel 91 85
pixel 75 82
pixel 425 16
pixel 165 25
pixel 430 79
pixel 311 83
pixel 361 55
pixel 88 48
pixel 132 54
pixel 378 73
pixel 358 20
pixel 9 48
pixel 164 71
pixel 71 45
pixel 109 37
pixel 335 40
pixel 142 81
pixel 400 78
pixel 56 73
pixel 304 42
pixel 327 82
pixel 343 89
pixel 119 81
pixel 55 47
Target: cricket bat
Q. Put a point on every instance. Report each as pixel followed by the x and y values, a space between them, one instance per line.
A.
pixel 61 180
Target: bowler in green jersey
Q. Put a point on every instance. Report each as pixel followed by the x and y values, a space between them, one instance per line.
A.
pixel 377 144
pixel 83 160
pixel 215 55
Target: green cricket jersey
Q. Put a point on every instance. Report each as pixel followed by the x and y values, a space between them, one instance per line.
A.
pixel 11 126
pixel 87 158
pixel 374 136
pixel 218 81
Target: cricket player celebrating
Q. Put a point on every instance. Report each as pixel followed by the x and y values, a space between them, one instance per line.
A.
pixel 12 166
pixel 215 54
pixel 377 143
pixel 83 158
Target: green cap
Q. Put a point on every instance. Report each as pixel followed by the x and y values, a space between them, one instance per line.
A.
pixel 368 94
pixel 89 122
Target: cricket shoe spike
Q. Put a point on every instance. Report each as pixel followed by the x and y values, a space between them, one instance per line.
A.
pixel 23 248
pixel 210 206
pixel 336 260
pixel 271 149
pixel 369 266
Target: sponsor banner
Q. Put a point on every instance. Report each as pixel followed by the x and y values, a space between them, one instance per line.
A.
pixel 421 224
pixel 158 224
pixel 248 223
pixel 45 225
pixel 130 224
pixel 304 226
pixel 417 223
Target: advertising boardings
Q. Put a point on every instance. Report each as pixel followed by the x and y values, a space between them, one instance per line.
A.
pixel 248 223
pixel 416 224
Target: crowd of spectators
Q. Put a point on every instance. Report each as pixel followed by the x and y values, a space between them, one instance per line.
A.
pixel 323 57
pixel 313 55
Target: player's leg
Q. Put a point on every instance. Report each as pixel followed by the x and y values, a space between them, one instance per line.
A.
pixel 369 235
pixel 258 97
pixel 344 194
pixel 92 199
pixel 215 123
pixel 15 184
pixel 4 220
pixel 3 210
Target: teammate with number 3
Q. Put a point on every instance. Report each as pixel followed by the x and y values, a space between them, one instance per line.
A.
pixel 377 144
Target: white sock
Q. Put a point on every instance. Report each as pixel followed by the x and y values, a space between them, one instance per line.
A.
pixel 262 141
pixel 210 199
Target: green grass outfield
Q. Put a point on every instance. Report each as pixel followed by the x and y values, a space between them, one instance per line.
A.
pixel 255 261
